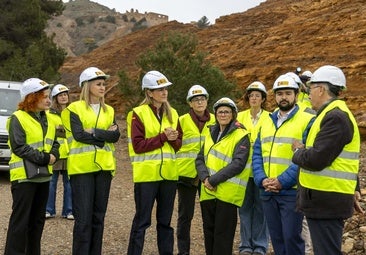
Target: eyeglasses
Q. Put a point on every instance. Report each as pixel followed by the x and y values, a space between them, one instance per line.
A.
pixel 198 99
pixel 224 112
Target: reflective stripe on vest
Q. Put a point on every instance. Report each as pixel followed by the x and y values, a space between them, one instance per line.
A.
pixel 341 175
pixel 158 164
pixel 34 138
pixel 276 142
pixel 245 118
pixel 192 142
pixel 86 158
pixel 64 148
pixel 217 156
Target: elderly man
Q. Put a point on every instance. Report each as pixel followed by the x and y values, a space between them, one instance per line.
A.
pixel 329 163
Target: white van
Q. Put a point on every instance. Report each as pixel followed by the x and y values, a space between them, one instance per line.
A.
pixel 9 99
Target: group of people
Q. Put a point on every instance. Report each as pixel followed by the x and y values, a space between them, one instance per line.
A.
pixel 73 139
pixel 268 170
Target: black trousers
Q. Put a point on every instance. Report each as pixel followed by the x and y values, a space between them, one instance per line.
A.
pixel 90 195
pixel 326 236
pixel 146 193
pixel 186 203
pixel 27 218
pixel 219 224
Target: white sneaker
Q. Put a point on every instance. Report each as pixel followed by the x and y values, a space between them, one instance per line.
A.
pixel 48 215
pixel 70 217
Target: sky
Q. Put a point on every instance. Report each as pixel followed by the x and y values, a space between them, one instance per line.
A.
pixel 183 11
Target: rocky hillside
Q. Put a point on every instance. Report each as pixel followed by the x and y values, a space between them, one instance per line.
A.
pixel 259 44
pixel 85 25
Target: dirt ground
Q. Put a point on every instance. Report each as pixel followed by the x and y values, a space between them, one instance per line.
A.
pixel 57 234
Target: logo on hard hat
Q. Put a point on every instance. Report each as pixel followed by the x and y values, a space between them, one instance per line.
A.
pixel 60 89
pixel 197 91
pixel 161 81
pixel 254 86
pixel 99 73
pixel 283 83
pixel 43 83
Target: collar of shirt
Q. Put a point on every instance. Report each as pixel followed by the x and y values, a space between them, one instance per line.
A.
pixel 282 117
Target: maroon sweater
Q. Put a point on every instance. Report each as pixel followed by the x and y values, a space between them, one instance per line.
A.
pixel 141 144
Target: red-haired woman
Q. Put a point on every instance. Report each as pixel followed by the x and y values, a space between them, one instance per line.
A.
pixel 32 142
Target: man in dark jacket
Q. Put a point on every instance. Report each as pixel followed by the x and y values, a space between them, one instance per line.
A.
pixel 329 163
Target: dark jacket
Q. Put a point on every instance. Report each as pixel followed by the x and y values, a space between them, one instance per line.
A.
pixel 239 159
pixel 21 149
pixel 98 138
pixel 336 130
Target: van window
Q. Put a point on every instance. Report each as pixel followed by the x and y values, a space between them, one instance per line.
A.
pixel 9 101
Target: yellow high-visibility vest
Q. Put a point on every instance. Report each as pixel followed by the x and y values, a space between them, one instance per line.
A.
pixel 218 155
pixel 341 175
pixel 159 164
pixel 88 158
pixel 192 142
pixel 34 138
pixel 276 143
pixel 245 118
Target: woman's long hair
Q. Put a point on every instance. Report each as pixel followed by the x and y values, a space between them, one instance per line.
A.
pixel 165 106
pixel 85 95
pixel 56 105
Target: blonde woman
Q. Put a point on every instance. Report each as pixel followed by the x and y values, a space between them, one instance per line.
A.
pixel 153 142
pixel 91 131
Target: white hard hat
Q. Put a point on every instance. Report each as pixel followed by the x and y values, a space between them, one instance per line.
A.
pixel 225 101
pixel 154 80
pixel 307 74
pixel 257 85
pixel 329 74
pixel 32 85
pixel 295 77
pixel 57 89
pixel 285 81
pixel 196 90
pixel 92 73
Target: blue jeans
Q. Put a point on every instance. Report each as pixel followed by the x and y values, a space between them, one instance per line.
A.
pixel 284 224
pixel 90 194
pixel 146 193
pixel 254 234
pixel 67 202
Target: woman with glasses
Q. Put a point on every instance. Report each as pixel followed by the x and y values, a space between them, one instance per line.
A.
pixel 91 131
pixel 194 125
pixel 220 164
pixel 254 234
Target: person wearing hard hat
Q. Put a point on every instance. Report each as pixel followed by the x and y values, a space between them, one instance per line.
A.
pixel 254 234
pixel 194 125
pixel 34 148
pixel 60 100
pixel 91 132
pixel 329 163
pixel 220 165
pixel 273 170
pixel 153 140
pixel 302 96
